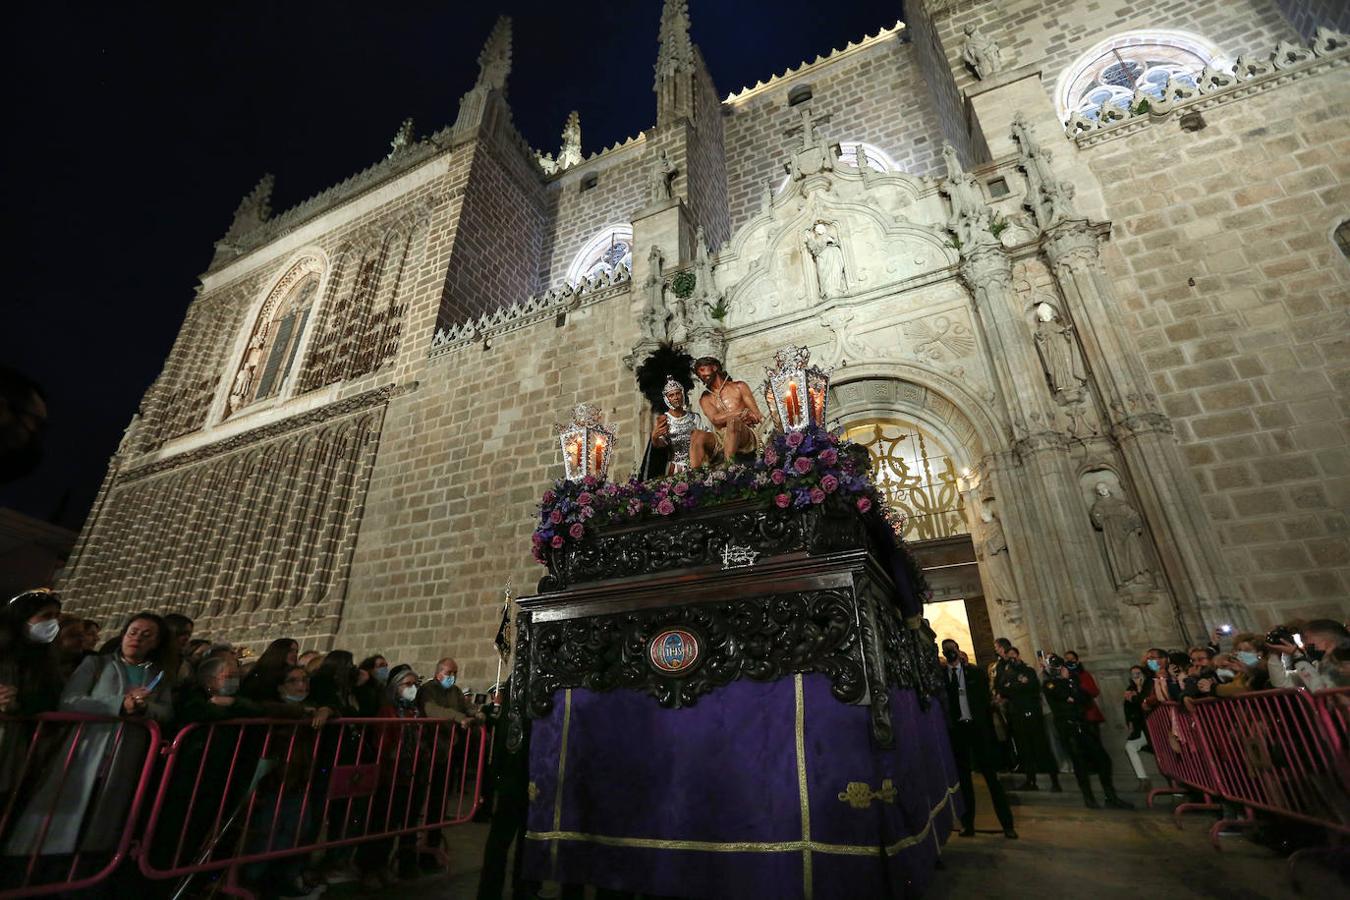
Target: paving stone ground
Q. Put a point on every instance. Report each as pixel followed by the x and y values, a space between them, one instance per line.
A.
pixel 1064 849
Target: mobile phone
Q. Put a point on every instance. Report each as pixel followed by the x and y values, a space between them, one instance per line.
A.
pixel 1298 639
pixel 1225 629
pixel 1040 654
pixel 154 682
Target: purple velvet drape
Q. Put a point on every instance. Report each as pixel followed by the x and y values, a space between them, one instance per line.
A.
pixel 708 801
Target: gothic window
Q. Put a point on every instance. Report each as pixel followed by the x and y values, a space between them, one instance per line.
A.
pixel 269 357
pixel 916 475
pixel 876 157
pixel 1110 73
pixel 603 253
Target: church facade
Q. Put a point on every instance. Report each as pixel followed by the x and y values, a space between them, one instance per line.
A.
pixel 1080 274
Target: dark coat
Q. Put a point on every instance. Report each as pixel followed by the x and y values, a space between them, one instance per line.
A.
pixel 975 747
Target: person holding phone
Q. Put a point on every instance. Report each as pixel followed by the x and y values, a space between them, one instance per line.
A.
pixel 1072 706
pixel 131 680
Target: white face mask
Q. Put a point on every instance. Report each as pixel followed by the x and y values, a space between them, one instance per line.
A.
pixel 44 632
pixel 409 693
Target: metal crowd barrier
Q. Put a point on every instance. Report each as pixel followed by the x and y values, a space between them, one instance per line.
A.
pixel 1284 752
pixel 238 798
pixel 69 784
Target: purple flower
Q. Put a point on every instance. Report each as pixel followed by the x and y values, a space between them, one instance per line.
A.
pixel 829 456
pixel 802 465
pixel 777 476
pixel 681 488
pixel 557 542
pixel 770 457
pixel 588 481
pixel 665 507
pixel 864 504
pixel 585 498
pixel 782 501
pixel 555 517
pixel 817 495
pixel 549 497
pixel 829 484
pixel 587 512
pixel 794 438
pixel 576 531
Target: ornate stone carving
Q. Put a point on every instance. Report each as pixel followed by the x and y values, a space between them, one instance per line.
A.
pixel 940 338
pixel 404 138
pixel 653 320
pixel 1058 350
pixel 828 259
pixel 1122 531
pixel 970 217
pixel 981 53
pixel 1049 199
pixel 992 551
pixel 663 170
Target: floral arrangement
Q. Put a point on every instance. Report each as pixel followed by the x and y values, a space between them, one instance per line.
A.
pixel 799 469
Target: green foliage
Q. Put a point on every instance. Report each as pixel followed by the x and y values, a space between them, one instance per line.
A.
pixel 1142 108
pixel 954 242
pixel 718 311
pixel 683 285
pixel 998 226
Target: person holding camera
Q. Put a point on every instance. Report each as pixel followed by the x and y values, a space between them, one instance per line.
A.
pixel 1020 690
pixel 1313 655
pixel 1070 706
pixel 971 726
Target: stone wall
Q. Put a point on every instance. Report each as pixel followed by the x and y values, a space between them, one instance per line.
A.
pixel 877 95
pixel 577 215
pixel 1237 299
pixel 706 161
pixel 1053 36
pixel 463 462
pixel 1306 15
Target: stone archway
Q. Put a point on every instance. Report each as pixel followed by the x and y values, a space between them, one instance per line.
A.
pixel 924 448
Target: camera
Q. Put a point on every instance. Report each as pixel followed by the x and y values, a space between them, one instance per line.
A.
pixel 1280 634
pixel 1225 629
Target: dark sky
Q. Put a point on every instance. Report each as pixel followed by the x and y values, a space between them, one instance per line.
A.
pixel 136 127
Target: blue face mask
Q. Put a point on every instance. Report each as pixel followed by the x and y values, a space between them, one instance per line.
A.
pixel 448 681
pixel 1155 665
pixel 1225 675
pixel 382 674
pixel 1248 657
pixel 295 698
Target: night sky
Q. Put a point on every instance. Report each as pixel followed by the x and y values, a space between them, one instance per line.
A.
pixel 135 128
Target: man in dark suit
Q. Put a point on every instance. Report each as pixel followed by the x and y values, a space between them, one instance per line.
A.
pixel 971 726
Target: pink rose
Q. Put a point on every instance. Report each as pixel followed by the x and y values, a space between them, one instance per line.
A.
pixel 794 439
pixel 829 456
pixel 770 457
pixel 577 530
pixel 802 465
pixel 557 542
pixel 817 495
pixel 536 539
pixel 778 476
pixel 555 517
pixel 589 481
pixel 864 504
pixel 665 507
pixel 549 497
pixel 585 499
pixel 587 512
pixel 782 500
pixel 681 488
pixel 829 484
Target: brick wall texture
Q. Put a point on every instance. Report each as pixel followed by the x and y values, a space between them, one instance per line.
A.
pixel 384 497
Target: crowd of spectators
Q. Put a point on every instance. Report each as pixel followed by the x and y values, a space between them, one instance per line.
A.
pixel 155 669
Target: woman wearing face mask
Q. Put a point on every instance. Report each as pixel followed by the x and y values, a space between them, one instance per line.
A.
pixel 30 682
pixel 1247 662
pixel 1137 691
pixel 130 681
pixel 405 762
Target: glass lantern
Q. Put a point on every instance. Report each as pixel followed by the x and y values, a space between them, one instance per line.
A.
pixel 796 390
pixel 586 444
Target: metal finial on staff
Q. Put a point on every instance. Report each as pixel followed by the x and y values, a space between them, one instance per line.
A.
pixel 503 639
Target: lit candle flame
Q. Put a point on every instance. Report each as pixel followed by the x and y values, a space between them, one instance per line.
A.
pixel 598 455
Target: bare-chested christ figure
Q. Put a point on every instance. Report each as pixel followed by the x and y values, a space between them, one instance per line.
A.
pixel 730 407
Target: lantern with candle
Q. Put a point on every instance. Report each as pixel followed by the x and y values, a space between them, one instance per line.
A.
pixel 586 443
pixel 796 390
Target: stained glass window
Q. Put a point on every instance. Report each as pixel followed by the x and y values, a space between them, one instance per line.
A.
pixel 1110 73
pixel 917 476
pixel 603 253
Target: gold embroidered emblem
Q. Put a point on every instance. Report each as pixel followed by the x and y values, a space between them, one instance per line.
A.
pixel 860 795
pixel 533 791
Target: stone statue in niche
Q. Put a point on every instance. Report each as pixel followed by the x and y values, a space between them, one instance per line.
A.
pixel 981 53
pixel 662 172
pixel 243 379
pixel 829 261
pixel 970 218
pixel 993 552
pixel 1059 356
pixel 652 319
pixel 1122 531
